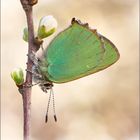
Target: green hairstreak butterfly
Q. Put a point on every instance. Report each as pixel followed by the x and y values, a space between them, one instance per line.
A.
pixel 76 52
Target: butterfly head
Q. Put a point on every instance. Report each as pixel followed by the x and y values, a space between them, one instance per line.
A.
pixel 46 86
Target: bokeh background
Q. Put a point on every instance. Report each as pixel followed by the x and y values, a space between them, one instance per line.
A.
pixel 102 106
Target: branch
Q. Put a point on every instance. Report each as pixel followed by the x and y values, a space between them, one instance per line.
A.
pixel 26 90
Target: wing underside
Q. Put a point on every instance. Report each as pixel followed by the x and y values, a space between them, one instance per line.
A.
pixel 77 52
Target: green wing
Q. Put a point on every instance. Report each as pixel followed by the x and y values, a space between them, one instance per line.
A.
pixel 77 52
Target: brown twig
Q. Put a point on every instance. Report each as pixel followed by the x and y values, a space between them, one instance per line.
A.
pixel 26 90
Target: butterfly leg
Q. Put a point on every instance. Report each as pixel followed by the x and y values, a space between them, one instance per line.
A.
pixel 21 89
pixel 37 77
pixel 41 46
pixel 32 56
pixel 34 73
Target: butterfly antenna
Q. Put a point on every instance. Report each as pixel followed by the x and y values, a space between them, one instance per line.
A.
pixel 55 118
pixel 46 117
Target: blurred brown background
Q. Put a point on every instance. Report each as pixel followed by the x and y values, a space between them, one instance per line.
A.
pixel 102 106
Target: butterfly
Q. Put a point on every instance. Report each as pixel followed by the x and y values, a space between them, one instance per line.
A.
pixel 76 52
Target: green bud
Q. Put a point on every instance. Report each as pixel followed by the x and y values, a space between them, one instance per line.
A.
pixel 25 34
pixel 18 76
pixel 47 26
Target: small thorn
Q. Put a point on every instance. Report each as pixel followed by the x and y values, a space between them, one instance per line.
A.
pixel 46 118
pixel 73 20
pixel 55 118
pixel 21 91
